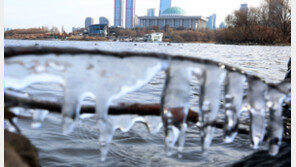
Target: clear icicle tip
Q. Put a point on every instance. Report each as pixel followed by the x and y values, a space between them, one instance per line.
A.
pixel 68 125
pixel 171 139
pixel 38 118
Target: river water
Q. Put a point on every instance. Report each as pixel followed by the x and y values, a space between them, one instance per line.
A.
pixel 137 147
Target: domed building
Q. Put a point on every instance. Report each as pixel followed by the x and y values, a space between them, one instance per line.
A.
pixel 174 17
pixel 174 11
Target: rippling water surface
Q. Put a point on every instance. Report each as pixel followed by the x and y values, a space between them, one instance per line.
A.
pixel 138 147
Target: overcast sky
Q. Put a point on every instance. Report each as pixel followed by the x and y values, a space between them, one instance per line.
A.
pixel 72 13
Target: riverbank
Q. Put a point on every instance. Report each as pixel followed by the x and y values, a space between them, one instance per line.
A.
pixel 99 39
pixel 229 36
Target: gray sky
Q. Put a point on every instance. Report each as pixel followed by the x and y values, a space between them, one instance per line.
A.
pixel 71 13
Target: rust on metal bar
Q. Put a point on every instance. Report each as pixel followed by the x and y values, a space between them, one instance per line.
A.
pixel 120 109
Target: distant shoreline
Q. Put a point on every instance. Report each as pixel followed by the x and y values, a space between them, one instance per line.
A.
pixel 211 42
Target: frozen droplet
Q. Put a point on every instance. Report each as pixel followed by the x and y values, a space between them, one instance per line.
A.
pixel 125 122
pixel 171 137
pixel 11 126
pixel 68 125
pixel 182 138
pixel 38 118
pixel 106 130
pixel 154 123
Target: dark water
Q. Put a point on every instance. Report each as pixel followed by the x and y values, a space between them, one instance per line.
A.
pixel 137 147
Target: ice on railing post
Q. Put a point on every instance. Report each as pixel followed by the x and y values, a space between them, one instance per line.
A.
pixel 211 99
pixel 175 106
pixel 257 106
pixel 234 91
pixel 275 100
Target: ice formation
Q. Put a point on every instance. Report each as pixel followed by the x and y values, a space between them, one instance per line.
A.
pixel 175 104
pixel 105 78
pixel 211 100
pixel 257 106
pixel 234 93
pixel 275 99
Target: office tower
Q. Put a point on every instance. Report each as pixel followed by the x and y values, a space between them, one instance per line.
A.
pixel 214 21
pixel 88 21
pixel 151 12
pixel 244 7
pixel 211 24
pixel 104 20
pixel 222 25
pixel 130 13
pixel 118 13
pixel 164 4
pixel 137 21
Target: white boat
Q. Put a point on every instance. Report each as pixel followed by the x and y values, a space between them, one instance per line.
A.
pixel 154 37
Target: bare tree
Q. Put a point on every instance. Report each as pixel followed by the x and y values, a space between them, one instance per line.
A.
pixel 279 15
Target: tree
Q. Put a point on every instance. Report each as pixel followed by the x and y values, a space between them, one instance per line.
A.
pixel 54 30
pixel 279 15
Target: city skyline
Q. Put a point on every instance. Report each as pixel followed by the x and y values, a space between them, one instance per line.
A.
pixel 24 14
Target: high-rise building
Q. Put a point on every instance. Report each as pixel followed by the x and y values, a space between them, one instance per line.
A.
pixel 130 13
pixel 222 25
pixel 118 13
pixel 104 20
pixel 137 21
pixel 151 12
pixel 211 24
pixel 244 7
pixel 88 21
pixel 164 4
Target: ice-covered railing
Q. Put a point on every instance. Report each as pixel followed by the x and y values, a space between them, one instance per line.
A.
pixel 106 76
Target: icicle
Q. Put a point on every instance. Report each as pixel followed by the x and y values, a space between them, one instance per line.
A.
pixel 69 108
pixel 175 105
pixel 233 101
pixel 208 130
pixel 257 105
pixel 130 75
pixel 274 104
pixel 210 100
pixel 106 134
pixel 126 122
pixel 11 127
pixel 153 124
pixel 38 118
